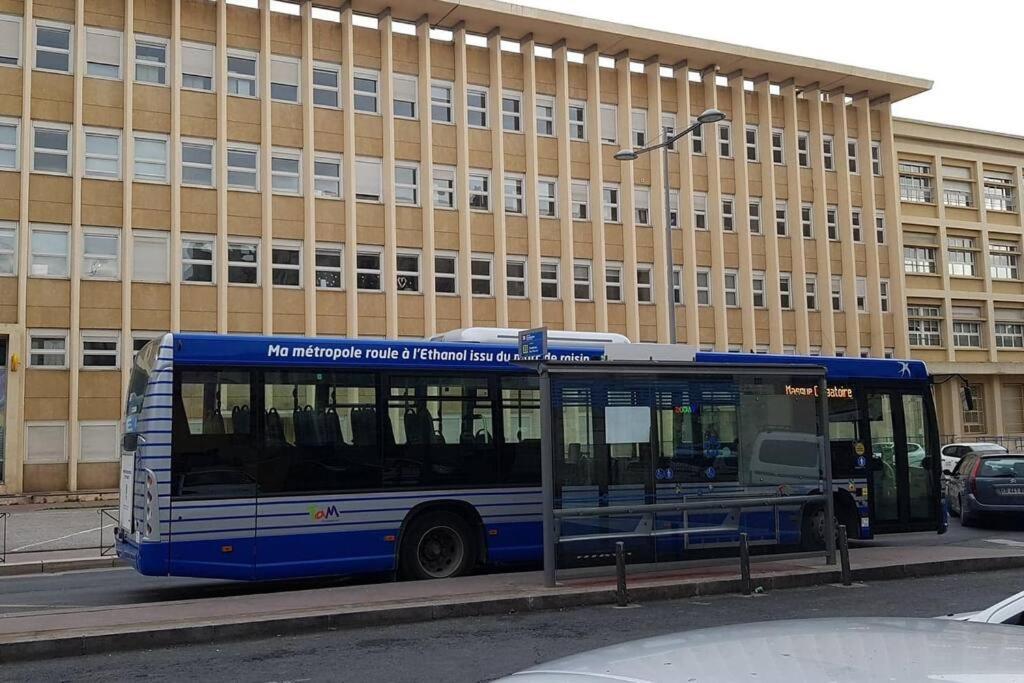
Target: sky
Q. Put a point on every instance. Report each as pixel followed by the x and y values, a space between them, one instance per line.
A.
pixel 971 52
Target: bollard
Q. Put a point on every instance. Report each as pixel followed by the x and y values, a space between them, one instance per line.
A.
pixel 621 595
pixel 745 564
pixel 844 556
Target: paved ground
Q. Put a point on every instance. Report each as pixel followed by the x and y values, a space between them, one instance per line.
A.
pixel 35 530
pixel 481 648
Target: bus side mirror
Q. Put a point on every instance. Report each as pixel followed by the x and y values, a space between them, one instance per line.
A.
pixel 130 442
pixel 948 473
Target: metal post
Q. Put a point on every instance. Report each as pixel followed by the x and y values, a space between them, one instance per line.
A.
pixel 621 595
pixel 547 477
pixel 844 556
pixel 668 248
pixel 745 564
pixel 826 454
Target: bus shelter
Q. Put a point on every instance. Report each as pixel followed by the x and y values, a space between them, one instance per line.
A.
pixel 670 458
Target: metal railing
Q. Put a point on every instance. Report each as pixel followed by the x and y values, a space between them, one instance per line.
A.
pixel 1014 444
pixel 3 536
pixel 108 518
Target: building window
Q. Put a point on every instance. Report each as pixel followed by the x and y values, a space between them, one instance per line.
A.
pixel 445 273
pixel 53 48
pixel 915 182
pixel 151 158
pixel 547 198
pixel 51 149
pixel 677 285
pixel 832 221
pixel 512 112
pixel 642 205
pixel 577 121
pixel 750 133
pixel 368 180
pixel 957 187
pixel 851 155
pixel 549 279
pixel 244 262
pixel 724 139
pixel 49 251
pixel 197 62
pixel 1003 260
pixel 962 257
pixel 855 225
pixel 480 275
pixel 919 260
pixel 611 203
pixel 781 222
pixel 151 61
pixel 757 289
pixel 368 270
pixel 613 282
pixel 803 146
pixel 151 257
pixel 697 138
pixel 785 291
pixel 806 222
pixel 284 79
pixel 609 124
pixel 140 339
pixel 1010 335
pixel 673 208
pixel 285 170
pixel 811 288
pixel 197 163
pixel 700 211
pixel 242 74
pixel 444 187
pixel 580 200
pixel 515 277
pixel 883 290
pixel 101 253
pixel 98 442
pixel 46 442
pixel 100 350
pixel 581 281
pixel 480 190
pixel 728 218
pixel 441 102
pixel 923 323
pixel 668 128
pixel 8 248
pixel 837 293
pixel 404 99
pixel 243 167
pixel 732 298
pixel 9 138
pixel 862 294
pixel 407 272
pixel 999 192
pixel 329 267
pixel 974 420
pixel 966 334
pixel 876 158
pixel 407 184
pixel 644 285
pixel 10 40
pixel 703 287
pixel 638 127
pixel 514 189
pixel 828 152
pixel 366 91
pixel 48 349
pixel 880 227
pixel 778 154
pixel 103 154
pixel 754 215
pixel 327 176
pixel 197 259
pixel 102 53
pixel 326 82
pixel 476 107
pixel 545 116
pixel 286 264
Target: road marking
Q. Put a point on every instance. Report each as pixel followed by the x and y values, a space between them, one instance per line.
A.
pixel 60 538
pixel 1006 541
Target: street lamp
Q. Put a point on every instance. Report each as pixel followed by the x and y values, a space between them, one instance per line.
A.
pixel 707 116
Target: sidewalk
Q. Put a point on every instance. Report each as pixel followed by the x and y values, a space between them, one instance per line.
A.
pixel 47 537
pixel 80 631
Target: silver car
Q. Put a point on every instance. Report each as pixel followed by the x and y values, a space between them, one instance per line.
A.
pixel 857 649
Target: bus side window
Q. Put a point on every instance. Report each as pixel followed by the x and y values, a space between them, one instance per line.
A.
pixel 520 418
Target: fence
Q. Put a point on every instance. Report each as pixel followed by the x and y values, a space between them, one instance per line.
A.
pixel 103 543
pixel 1014 444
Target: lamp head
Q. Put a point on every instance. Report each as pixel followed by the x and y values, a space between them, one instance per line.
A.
pixel 711 116
pixel 626 155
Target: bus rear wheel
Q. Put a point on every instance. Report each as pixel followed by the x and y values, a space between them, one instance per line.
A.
pixel 437 545
pixel 812 528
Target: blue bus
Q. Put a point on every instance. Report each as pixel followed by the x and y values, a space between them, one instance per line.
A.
pixel 248 457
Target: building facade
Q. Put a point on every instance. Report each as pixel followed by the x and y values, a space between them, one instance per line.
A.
pixel 401 169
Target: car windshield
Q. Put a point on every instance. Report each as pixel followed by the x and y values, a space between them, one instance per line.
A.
pixel 1002 467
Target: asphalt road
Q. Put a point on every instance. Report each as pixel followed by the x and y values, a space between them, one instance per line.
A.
pixel 482 648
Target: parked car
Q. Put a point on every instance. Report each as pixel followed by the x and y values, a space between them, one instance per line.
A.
pixel 1009 612
pixel 955 452
pixel 983 484
pixel 858 649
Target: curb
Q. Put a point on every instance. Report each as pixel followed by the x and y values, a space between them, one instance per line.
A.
pixel 36 646
pixel 56 566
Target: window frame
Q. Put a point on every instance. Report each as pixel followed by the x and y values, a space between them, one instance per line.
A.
pixel 101 336
pixel 778 150
pixel 113 455
pixel 750 135
pixel 758 290
pixel 547 204
pixel 15 53
pixel 703 290
pixel 32 254
pixel 754 216
pixel 476 278
pixel 613 110
pixel 781 218
pixel 290 246
pixel 15 124
pixel 31 425
pixel 212 262
pixel 516 116
pixel 36 48
pixel 109 133
pixel 547 102
pixel 64 128
pixel 151 235
pixel 446 173
pixel 436 104
pixel 613 280
pixel 211 51
pixel 828 152
pixel 803 149
pixel 611 211
pixel 580 207
pixel 235 242
pixel 638 135
pixel 165 140
pixel 417 274
pixel 161 67
pixel 292 63
pixel 376 163
pixel 509 279
pixel 100 231
pixel 645 271
pixel 586 282
pixel 196 142
pixel 328 249
pixel 852 151
pixel 724 139
pixel 324 68
pixel 243 148
pixel 237 77
pixel 453 276
pixel 414 186
pixel 556 281
pixel 408 80
pixel 577 125
pixel 366 75
pixel 63 335
pixel 476 173
pixel 378 272
pixel 118 36
pixel 481 112
pixel 288 154
pixel 807 220
pixel 10 230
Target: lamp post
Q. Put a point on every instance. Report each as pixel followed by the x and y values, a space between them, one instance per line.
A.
pixel 707 116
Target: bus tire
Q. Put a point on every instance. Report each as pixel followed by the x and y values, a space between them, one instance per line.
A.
pixel 812 528
pixel 437 545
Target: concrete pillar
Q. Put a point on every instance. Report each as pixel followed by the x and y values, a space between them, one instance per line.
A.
pixel 741 206
pixel 591 59
pixel 893 221
pixel 387 110
pixel 348 173
pixel 828 331
pixel 684 248
pixel 847 247
pixel 714 213
pixel 864 140
pixel 626 203
pixel 660 279
pixel 308 173
pixel 174 161
pixel 527 46
pixel 74 349
pixel 794 185
pixel 498 177
pixel 127 195
pixel 426 175
pixel 564 190
pixel 266 174
pixel 462 175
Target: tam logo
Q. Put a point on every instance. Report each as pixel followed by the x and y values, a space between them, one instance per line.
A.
pixel 320 514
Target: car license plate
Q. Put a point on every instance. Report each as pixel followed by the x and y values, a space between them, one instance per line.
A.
pixel 1011 491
